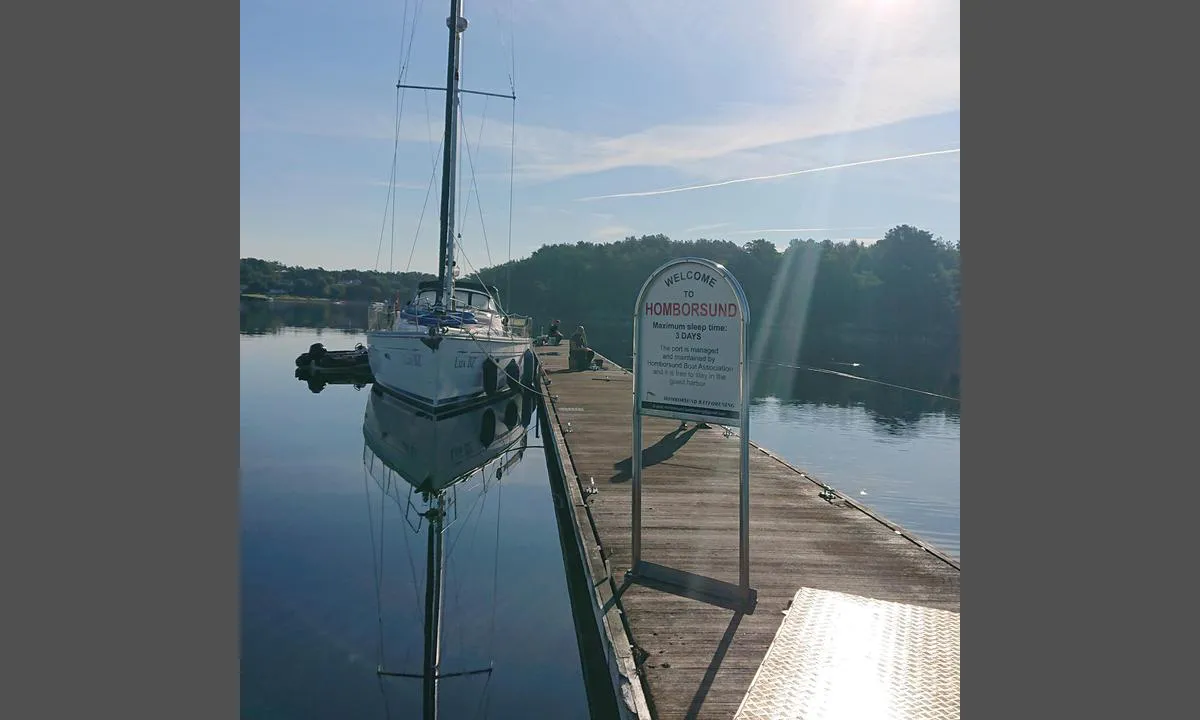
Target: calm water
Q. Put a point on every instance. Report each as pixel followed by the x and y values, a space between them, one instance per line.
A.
pixel 310 623
pixel 892 449
pixel 312 536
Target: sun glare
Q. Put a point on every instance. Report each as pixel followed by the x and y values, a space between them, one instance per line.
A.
pixel 882 8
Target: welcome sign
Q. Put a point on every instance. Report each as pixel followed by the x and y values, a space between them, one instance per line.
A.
pixel 689 347
pixel 690 343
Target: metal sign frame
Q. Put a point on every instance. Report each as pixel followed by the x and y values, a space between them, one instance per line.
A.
pixel 740 597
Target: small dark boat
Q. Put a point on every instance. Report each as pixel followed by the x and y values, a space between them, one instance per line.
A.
pixel 318 359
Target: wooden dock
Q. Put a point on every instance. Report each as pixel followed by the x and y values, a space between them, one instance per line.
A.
pixel 675 657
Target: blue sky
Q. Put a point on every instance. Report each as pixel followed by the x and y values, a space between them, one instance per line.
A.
pixel 614 98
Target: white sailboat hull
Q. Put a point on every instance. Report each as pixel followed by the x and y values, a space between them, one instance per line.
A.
pixel 450 372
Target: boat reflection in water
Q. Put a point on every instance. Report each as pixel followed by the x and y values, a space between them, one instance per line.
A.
pixel 317 380
pixel 421 464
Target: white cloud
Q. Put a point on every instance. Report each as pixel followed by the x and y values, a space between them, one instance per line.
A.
pixel 833 68
pixel 839 67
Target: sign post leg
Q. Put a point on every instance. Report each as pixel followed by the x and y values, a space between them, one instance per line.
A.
pixel 744 509
pixel 636 469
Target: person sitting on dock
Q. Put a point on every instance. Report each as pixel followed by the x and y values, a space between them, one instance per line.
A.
pixel 581 355
pixel 555 335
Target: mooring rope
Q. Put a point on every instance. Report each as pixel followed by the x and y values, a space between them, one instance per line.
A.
pixel 846 375
pixel 853 377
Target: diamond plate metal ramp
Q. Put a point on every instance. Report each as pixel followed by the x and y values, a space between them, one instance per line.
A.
pixel 845 656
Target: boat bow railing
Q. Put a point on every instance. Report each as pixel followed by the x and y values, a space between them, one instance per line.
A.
pixel 519 325
pixel 380 317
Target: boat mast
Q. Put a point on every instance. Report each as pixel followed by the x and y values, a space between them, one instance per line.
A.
pixel 456 24
pixel 434 579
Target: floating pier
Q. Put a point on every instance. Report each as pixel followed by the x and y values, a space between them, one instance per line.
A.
pixel 852 608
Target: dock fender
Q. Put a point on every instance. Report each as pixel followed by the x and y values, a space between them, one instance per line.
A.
pixel 513 371
pixel 512 413
pixel 490 376
pixel 487 427
pixel 528 405
pixel 529 370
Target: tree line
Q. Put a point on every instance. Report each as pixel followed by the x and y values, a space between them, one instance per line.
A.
pixel 269 277
pixel 902 289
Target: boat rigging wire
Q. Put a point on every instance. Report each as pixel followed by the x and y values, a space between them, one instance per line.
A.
pixel 376 562
pixel 479 504
pixel 512 156
pixel 402 71
pixel 428 188
pixel 474 185
pixel 512 143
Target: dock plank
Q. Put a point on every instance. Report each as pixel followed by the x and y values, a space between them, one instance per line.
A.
pixel 698 660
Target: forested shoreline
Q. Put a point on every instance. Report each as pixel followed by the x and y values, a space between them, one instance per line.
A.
pixel 903 289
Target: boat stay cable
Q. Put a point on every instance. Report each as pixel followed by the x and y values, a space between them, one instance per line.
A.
pixel 401 73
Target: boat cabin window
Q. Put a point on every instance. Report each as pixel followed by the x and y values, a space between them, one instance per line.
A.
pixel 467 298
pixel 476 300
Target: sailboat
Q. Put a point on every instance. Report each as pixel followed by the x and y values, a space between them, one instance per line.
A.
pixel 419 462
pixel 452 345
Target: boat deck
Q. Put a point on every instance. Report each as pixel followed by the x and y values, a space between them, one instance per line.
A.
pixel 685 658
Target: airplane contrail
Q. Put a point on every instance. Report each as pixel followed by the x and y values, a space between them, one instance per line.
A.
pixel 839 166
